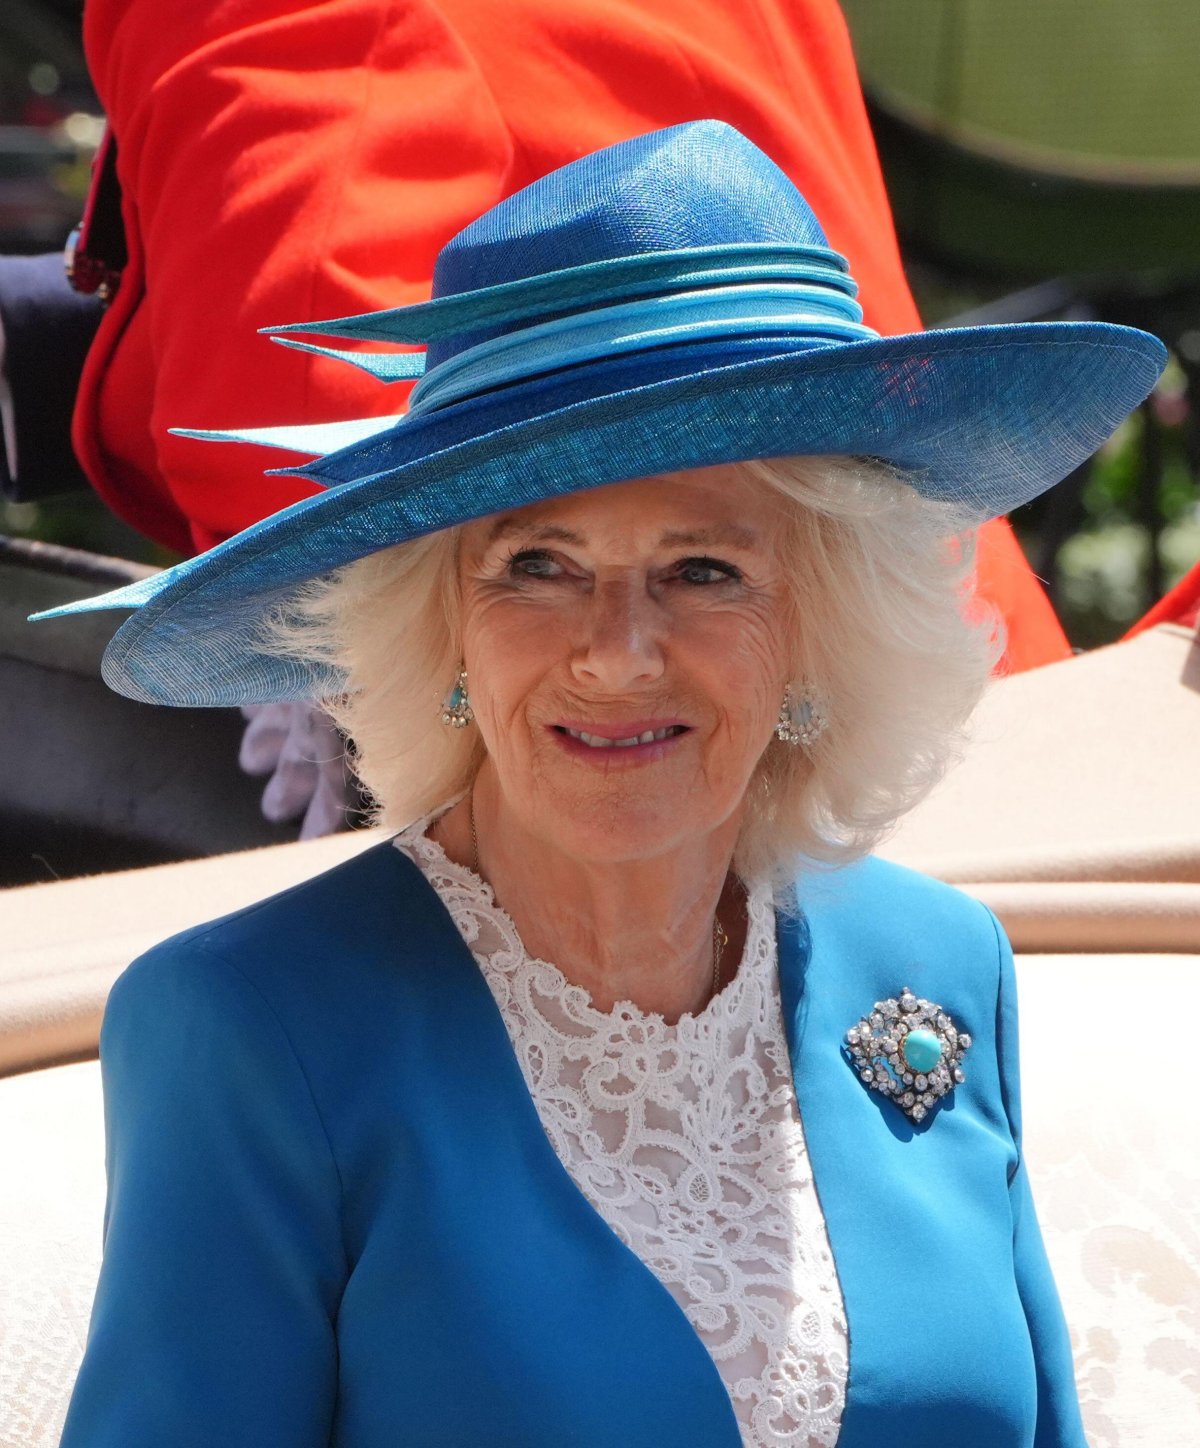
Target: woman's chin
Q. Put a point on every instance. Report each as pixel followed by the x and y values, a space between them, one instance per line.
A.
pixel 626 821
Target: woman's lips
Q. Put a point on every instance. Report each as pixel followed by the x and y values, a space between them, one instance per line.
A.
pixel 627 741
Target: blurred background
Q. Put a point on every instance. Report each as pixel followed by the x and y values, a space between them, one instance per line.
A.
pixel 1043 161
pixel 49 123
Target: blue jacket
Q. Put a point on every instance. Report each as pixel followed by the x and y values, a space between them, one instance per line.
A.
pixel 334 1217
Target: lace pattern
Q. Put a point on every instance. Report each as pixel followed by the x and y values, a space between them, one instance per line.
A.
pixel 687 1140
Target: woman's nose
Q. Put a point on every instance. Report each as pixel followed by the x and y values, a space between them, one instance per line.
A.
pixel 620 644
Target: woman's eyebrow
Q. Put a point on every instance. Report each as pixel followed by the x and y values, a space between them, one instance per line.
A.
pixel 719 535
pixel 534 532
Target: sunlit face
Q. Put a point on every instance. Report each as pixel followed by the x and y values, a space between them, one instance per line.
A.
pixel 626 650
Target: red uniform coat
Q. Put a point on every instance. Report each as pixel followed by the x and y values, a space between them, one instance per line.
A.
pixel 1181 605
pixel 283 161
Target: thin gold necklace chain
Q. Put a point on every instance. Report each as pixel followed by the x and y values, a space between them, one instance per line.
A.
pixel 719 938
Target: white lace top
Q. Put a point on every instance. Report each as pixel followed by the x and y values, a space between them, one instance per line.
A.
pixel 687 1140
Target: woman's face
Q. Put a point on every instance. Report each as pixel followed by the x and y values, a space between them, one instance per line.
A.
pixel 626 652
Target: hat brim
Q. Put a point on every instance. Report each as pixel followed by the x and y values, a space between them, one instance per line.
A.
pixel 985 418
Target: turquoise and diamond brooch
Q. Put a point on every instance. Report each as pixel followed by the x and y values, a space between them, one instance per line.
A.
pixel 909 1050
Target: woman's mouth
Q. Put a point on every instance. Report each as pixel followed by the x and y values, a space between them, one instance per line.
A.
pixel 627 741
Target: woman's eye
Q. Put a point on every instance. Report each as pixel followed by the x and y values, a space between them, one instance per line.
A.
pixel 533 563
pixel 704 571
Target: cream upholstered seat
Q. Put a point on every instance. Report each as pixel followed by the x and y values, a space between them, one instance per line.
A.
pixel 1076 815
pixel 51 1209
pixel 1083 770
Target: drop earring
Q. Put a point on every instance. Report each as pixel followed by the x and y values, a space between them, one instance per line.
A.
pixel 456 707
pixel 803 717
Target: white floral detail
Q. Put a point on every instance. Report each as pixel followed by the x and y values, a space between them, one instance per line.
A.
pixel 687 1140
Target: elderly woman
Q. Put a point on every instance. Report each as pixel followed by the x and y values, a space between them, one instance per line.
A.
pixel 618 1099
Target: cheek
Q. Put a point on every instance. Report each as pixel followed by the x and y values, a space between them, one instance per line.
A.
pixel 507 651
pixel 750 663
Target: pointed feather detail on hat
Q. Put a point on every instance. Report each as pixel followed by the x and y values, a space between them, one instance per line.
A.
pixel 386 366
pixel 317 439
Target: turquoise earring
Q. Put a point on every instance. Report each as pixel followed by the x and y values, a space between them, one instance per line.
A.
pixel 456 707
pixel 803 717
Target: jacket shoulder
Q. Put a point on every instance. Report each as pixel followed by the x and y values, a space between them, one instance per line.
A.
pixel 334 899
pixel 883 895
pixel 319 941
pixel 889 927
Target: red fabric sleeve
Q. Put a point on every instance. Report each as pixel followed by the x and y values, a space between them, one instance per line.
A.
pixel 282 162
pixel 1004 580
pixel 1181 605
pixel 278 163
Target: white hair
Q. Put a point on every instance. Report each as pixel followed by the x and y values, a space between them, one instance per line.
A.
pixel 886 633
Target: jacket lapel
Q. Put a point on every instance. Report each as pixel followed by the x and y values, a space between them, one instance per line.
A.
pixel 618 1360
pixel 917 1216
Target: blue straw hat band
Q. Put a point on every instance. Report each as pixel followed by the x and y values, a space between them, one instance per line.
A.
pixel 638 327
pixel 577 287
pixel 701 316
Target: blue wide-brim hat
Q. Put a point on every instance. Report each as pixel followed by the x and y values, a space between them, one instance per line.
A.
pixel 667 303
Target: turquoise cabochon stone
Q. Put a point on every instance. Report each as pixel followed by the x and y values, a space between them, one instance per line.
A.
pixel 922 1050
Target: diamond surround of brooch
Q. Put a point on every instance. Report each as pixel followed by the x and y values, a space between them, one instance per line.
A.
pixel 909 1050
